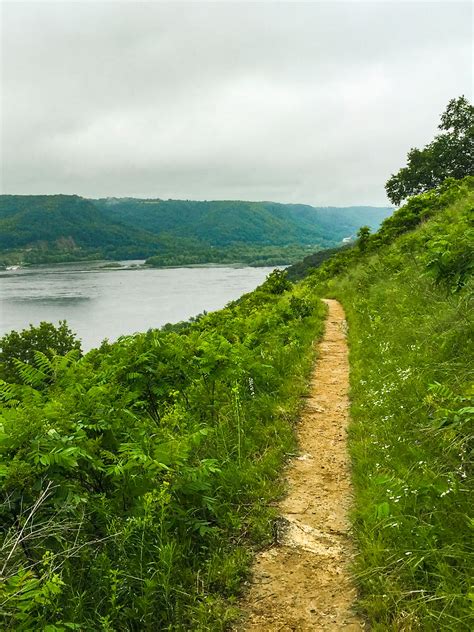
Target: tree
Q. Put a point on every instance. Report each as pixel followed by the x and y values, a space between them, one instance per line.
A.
pixel 363 235
pixel 449 155
pixel 22 345
pixel 277 282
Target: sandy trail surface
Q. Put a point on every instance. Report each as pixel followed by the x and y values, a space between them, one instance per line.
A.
pixel 302 583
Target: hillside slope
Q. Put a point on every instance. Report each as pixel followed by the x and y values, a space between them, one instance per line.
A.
pixel 147 470
pixel 301 269
pixel 408 294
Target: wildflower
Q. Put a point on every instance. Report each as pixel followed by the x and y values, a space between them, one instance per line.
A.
pixel 251 387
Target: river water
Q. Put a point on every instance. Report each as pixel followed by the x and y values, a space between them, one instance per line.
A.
pixel 103 302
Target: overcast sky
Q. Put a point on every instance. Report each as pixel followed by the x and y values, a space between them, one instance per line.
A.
pixel 292 102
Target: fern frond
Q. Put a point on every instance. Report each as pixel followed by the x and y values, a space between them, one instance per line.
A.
pixel 43 363
pixel 29 374
pixel 8 393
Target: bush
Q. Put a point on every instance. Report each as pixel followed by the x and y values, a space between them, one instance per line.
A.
pixel 21 346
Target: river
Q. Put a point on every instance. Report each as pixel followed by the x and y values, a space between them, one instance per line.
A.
pixel 99 301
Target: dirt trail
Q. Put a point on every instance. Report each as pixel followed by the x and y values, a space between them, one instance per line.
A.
pixel 302 583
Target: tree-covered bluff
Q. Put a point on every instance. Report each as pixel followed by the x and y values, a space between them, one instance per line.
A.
pixel 58 228
pixel 227 222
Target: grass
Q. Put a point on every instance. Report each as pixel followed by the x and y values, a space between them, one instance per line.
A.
pixel 411 437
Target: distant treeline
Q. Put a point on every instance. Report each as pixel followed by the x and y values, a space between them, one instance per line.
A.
pixel 249 254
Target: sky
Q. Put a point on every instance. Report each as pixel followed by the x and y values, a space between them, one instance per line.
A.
pixel 315 102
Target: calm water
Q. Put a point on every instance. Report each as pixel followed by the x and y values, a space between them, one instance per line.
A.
pixel 100 302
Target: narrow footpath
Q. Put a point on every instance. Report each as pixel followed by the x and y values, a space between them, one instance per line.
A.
pixel 302 583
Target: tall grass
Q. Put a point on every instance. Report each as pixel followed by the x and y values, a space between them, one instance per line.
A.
pixel 411 439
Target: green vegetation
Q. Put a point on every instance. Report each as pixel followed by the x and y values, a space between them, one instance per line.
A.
pixel 62 228
pixel 19 348
pixel 301 269
pixel 407 291
pixel 135 480
pixel 449 155
pixel 230 223
pixel 250 255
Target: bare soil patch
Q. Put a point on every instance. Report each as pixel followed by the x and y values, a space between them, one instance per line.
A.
pixel 302 583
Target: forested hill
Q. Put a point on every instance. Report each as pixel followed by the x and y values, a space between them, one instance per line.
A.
pixel 52 228
pixel 36 228
pixel 222 223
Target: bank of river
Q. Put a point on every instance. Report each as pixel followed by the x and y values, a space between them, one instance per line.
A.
pixel 99 301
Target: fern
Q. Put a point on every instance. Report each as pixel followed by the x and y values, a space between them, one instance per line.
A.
pixel 43 363
pixel 9 393
pixel 29 374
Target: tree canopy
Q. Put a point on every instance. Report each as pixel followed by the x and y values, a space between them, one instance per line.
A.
pixel 21 346
pixel 449 155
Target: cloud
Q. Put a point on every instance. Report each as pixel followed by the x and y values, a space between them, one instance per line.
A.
pixel 302 102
